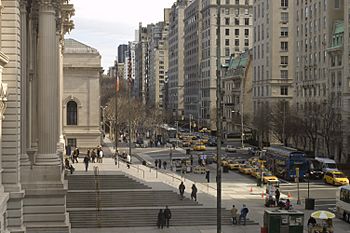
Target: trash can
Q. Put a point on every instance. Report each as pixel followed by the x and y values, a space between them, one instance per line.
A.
pixel 225 169
pixel 309 203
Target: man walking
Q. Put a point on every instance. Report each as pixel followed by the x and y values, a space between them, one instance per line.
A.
pixel 167 214
pixel 194 192
pixel 243 215
pixel 128 161
pixel 207 175
pixel 277 196
pixel 86 161
pixel 156 163
pixel 182 190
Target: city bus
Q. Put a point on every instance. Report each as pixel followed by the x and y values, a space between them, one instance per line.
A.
pixel 282 162
pixel 166 134
pixel 343 203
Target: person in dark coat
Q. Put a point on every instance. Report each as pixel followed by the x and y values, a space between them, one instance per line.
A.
pixel 277 196
pixel 194 192
pixel 156 163
pixel 167 214
pixel 93 156
pixel 161 219
pixel 182 190
pixel 86 161
pixel 68 166
pixel 207 176
pixel 164 164
pixel 160 164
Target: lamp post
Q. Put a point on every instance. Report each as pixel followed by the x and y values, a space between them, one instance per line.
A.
pixel 191 123
pixel 218 118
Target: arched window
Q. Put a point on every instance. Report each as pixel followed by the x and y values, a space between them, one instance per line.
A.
pixel 72 113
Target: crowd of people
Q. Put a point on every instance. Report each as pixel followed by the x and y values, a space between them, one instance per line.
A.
pixel 94 155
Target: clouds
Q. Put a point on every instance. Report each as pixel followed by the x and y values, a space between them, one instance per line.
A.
pixel 107 23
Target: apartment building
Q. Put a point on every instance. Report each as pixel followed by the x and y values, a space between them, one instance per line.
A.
pixel 158 61
pixel 129 64
pixel 176 59
pixel 122 50
pixel 237 98
pixel 346 85
pixel 236 37
pixel 273 59
pixel 193 53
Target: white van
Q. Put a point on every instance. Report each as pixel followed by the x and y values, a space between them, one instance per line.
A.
pixel 327 164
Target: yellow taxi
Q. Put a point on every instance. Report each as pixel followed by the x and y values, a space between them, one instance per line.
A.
pixel 335 178
pixel 199 147
pixel 233 165
pixel 245 169
pixel 224 162
pixel 255 172
pixel 269 178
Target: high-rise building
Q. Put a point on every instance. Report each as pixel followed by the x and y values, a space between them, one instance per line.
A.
pixel 192 56
pixel 236 33
pixel 130 61
pixel 176 59
pixel 273 53
pixel 321 68
pixel 122 49
pixel 158 61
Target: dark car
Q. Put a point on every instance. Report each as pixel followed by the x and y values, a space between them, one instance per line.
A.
pixel 315 169
pixel 211 142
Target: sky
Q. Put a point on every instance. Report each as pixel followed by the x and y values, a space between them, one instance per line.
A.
pixel 105 24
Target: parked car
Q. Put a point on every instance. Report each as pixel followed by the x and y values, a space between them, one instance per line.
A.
pixel 199 147
pixel 230 148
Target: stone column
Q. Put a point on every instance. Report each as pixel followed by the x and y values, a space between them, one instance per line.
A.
pixel 24 41
pixel 48 115
pixel 61 142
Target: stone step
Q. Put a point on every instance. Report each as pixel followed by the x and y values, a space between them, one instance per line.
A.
pixel 146 217
pixel 126 199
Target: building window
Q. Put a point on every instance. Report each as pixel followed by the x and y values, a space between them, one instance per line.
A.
pixel 246 32
pixel 227 52
pixel 237 2
pixel 246 42
pixel 284 90
pixel 237 32
pixel 284 74
pixel 284 17
pixel 284 60
pixel 236 42
pixel 284 3
pixel 236 21
pixel 227 32
pixel 227 42
pixel 227 21
pixel 227 2
pixel 72 142
pixel 284 32
pixel 246 21
pixel 336 4
pixel 284 46
pixel 72 113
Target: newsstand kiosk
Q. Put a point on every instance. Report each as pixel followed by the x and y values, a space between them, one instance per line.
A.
pixel 283 221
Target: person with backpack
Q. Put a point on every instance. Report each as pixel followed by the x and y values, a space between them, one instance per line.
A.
pixel 167 214
pixel 243 215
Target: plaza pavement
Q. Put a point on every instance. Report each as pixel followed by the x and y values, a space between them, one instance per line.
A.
pixel 237 193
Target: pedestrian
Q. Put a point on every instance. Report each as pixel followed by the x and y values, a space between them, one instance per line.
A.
pixel 243 215
pixel 93 156
pixel 277 196
pixel 161 219
pixel 156 163
pixel 207 175
pixel 78 152
pixel 68 166
pixel 75 155
pixel 311 222
pixel 97 154
pixel 191 158
pixel 128 161
pixel 182 190
pixel 234 214
pixel 194 192
pixel 167 214
pixel 86 161
pixel 164 164
pixel 101 155
pixel 160 164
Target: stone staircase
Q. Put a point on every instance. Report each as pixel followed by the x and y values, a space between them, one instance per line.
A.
pixel 116 200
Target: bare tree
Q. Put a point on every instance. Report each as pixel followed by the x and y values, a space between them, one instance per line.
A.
pixel 262 125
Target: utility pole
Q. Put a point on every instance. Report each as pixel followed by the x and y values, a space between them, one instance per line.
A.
pixel 116 133
pixel 218 117
pixel 129 99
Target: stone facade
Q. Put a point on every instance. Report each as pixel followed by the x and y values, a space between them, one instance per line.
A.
pixel 81 111
pixel 32 190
